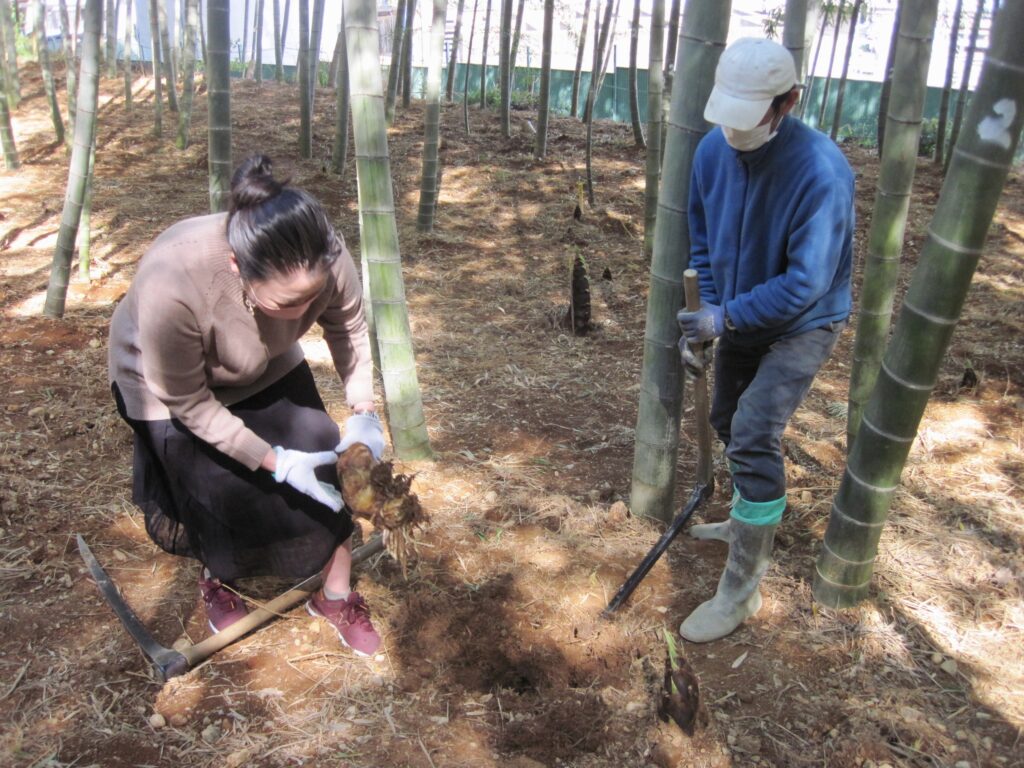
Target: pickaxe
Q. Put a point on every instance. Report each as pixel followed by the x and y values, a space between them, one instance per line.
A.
pixel 705 477
pixel 168 662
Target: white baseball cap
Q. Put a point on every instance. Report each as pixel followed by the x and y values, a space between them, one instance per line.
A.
pixel 750 73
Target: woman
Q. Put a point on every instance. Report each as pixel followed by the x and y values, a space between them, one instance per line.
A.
pixel 234 450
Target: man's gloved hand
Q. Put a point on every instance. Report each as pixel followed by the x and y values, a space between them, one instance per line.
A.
pixel 696 362
pixel 363 428
pixel 705 324
pixel 296 469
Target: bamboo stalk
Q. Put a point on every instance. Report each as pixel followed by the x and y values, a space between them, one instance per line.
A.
pixel 504 68
pixel 379 234
pixel 892 202
pixel 78 169
pixel 396 61
pixel 11 161
pixel 43 55
pixel 465 75
pixel 634 103
pixel 188 67
pixel 154 44
pixel 449 88
pixel 705 26
pixel 430 175
pixel 339 156
pixel 218 76
pixel 980 163
pixel 655 83
pixel 543 103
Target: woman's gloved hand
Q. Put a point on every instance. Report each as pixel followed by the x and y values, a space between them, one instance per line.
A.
pixel 363 428
pixel 297 469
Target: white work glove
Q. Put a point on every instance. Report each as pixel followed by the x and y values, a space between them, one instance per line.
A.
pixel 363 428
pixel 297 469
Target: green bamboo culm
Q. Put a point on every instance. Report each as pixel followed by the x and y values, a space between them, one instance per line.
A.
pixel 85 224
pixel 396 61
pixel 218 76
pixel 794 33
pixel 305 76
pixel 892 202
pixel 430 176
pixel 188 69
pixel 405 71
pixel 258 42
pixel 127 61
pixel 947 86
pixel 634 96
pixel 9 41
pixel 980 163
pixel 544 102
pixel 110 38
pixel 483 57
pixel 965 81
pixel 701 41
pixel 11 161
pixel 70 66
pixel 601 35
pixel 154 44
pixel 43 55
pixel 378 231
pixel 339 155
pixel 839 16
pixel 514 48
pixel 167 60
pixel 505 68
pixel 577 74
pixel 278 52
pixel 449 88
pixel 655 83
pixel 316 30
pixel 837 113
pixel 465 71
pixel 78 170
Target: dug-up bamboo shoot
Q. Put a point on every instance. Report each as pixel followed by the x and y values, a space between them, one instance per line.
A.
pixel 373 491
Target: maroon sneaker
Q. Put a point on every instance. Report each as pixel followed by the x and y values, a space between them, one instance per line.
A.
pixel 350 619
pixel 223 607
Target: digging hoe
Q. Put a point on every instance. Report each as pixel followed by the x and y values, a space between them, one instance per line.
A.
pixel 705 477
pixel 168 662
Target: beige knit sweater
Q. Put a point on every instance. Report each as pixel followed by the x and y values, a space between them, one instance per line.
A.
pixel 183 343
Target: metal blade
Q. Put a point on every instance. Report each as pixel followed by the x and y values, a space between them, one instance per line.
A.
pixel 166 660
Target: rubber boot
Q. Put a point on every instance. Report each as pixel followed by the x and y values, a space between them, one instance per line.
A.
pixel 737 598
pixel 714 531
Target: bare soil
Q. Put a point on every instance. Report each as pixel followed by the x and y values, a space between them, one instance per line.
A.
pixel 494 653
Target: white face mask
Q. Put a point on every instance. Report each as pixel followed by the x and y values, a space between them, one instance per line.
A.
pixel 747 141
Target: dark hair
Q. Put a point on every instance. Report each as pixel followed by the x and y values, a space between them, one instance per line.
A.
pixel 273 227
pixel 779 100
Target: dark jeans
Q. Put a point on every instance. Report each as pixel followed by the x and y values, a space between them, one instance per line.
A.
pixel 757 389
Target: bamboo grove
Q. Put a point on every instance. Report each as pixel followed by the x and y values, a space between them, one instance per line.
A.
pixel 894 371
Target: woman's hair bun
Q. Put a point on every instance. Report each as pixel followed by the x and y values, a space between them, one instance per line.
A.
pixel 253 183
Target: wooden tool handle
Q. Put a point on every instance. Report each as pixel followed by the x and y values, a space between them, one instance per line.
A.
pixel 705 473
pixel 691 289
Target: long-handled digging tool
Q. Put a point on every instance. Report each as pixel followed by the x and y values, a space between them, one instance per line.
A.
pixel 705 477
pixel 168 662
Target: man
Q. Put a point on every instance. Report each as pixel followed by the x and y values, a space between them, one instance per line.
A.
pixel 771 226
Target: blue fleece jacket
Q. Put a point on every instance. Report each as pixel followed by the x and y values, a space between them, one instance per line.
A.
pixel 771 232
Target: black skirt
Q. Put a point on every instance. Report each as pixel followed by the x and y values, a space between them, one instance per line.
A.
pixel 201 503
